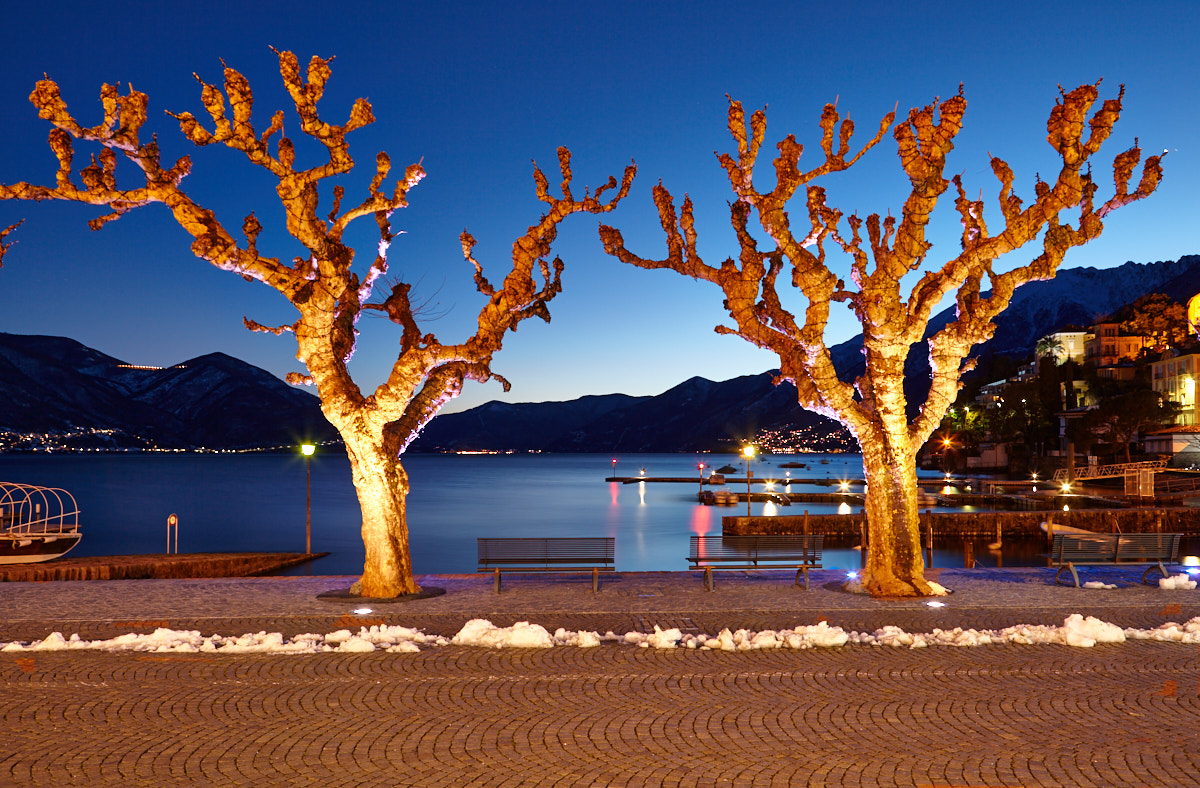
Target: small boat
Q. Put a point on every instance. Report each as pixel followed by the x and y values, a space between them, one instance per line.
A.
pixel 1052 528
pixel 36 523
pixel 727 469
pixel 1055 528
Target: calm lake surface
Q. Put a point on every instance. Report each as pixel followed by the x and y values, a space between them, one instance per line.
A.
pixel 255 502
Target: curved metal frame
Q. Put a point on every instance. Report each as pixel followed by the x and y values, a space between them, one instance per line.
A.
pixel 27 509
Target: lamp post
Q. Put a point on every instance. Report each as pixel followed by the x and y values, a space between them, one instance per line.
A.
pixel 748 453
pixel 307 450
pixel 701 467
pixel 614 470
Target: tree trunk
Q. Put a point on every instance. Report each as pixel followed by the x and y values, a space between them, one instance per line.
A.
pixel 894 564
pixel 382 486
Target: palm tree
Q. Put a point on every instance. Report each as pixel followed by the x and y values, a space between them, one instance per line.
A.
pixel 1049 346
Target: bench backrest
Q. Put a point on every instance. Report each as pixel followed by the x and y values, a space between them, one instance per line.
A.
pixel 586 550
pixel 1115 548
pixel 776 547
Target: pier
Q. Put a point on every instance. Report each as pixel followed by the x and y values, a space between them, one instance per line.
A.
pixel 163 566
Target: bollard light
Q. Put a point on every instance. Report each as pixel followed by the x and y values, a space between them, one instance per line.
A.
pixel 307 450
pixel 748 453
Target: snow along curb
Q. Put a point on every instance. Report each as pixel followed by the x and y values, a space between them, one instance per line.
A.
pixel 1075 631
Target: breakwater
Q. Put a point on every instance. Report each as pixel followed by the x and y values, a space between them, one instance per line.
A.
pixel 1165 520
pixel 143 567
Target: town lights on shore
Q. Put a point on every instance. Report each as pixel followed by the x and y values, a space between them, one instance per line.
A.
pixel 307 450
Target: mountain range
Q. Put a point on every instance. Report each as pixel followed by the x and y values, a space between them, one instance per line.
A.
pixel 90 400
pixel 700 415
pixel 86 399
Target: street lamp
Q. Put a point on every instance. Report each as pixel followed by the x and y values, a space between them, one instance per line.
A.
pixel 748 453
pixel 307 450
pixel 701 467
pixel 614 470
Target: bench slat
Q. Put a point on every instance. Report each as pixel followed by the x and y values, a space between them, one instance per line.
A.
pixel 799 551
pixel 1153 550
pixel 547 554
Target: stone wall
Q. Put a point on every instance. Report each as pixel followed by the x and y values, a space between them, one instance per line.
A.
pixel 1173 520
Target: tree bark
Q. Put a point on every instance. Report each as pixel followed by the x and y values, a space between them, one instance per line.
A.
pixel 894 567
pixel 381 484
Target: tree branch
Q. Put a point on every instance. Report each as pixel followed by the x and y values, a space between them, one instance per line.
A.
pixel 4 234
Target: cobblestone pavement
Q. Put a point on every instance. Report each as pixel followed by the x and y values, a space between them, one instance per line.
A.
pixel 1114 715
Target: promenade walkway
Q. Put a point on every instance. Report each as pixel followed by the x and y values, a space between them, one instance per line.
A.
pixel 1122 714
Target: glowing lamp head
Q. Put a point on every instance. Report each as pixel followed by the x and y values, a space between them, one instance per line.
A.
pixel 308 449
pixel 747 451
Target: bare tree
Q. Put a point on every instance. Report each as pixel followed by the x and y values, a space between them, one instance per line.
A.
pixel 327 294
pixel 873 407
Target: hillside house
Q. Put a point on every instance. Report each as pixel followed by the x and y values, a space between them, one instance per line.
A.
pixel 1174 377
pixel 1108 346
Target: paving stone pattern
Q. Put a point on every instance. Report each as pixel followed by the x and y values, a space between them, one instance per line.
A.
pixel 1113 715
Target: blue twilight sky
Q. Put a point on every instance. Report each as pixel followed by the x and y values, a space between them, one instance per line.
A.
pixel 478 90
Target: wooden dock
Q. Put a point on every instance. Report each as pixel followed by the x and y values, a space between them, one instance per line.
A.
pixel 143 567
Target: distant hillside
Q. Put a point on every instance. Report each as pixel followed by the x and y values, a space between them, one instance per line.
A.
pixel 1076 296
pixel 57 385
pixel 702 415
pixel 696 415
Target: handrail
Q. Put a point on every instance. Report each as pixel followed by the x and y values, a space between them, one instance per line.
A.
pixel 1101 471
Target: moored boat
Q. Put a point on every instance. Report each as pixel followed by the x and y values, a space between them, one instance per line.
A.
pixel 36 523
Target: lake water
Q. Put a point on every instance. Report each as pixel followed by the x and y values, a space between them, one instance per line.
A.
pixel 255 502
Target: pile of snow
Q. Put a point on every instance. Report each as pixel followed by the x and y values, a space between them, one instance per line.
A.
pixel 1098 584
pixel 481 632
pixel 1076 631
pixel 393 639
pixel 1179 581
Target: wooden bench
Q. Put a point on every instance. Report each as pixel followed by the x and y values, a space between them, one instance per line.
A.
pixel 554 554
pixel 1150 550
pixel 756 552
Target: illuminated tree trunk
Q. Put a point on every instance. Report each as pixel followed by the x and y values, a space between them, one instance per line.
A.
pixel 382 487
pixel 890 469
pixel 896 566
pixel 874 407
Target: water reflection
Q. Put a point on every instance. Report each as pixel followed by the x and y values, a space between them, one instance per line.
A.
pixel 614 493
pixel 701 520
pixel 770 509
pixel 642 492
pixel 843 508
